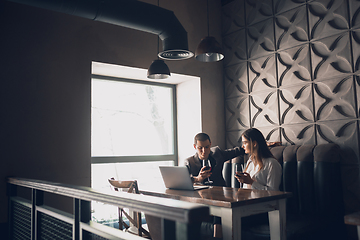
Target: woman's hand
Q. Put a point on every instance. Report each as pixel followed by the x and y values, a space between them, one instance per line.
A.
pixel 244 178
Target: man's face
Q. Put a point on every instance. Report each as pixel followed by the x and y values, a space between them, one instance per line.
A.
pixel 203 149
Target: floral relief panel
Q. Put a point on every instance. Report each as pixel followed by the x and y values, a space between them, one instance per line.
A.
pixel 355 40
pixel 236 80
pixel 257 10
pixel 331 56
pixel 299 134
pixel 232 17
pixel 234 47
pixel 327 17
pixel 262 74
pixel 294 66
pixel 296 104
pixel 334 99
pixel 354 6
pixel 237 116
pixel 260 39
pixel 285 5
pixel 291 28
pixel 264 109
pixel 292 69
pixel 344 132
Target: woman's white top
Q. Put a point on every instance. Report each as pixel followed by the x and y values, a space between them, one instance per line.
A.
pixel 268 178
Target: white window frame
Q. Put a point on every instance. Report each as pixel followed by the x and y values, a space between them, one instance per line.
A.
pixel 188 100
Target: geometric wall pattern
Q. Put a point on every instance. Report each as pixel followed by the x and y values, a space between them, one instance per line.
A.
pixel 292 70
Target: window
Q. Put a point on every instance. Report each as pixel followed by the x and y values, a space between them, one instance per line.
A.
pixel 133 131
pixel 132 119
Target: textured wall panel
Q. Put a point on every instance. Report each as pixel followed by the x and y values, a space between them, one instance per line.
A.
pixel 357 84
pixel 236 80
pixel 345 132
pixel 291 28
pixel 296 104
pixel 234 47
pixel 355 39
pixel 327 17
pixel 271 134
pixel 300 134
pixel 331 56
pixel 285 5
pixel 334 99
pixel 237 113
pixel 264 109
pixel 233 17
pixel 233 138
pixel 294 66
pixel 257 10
pixel 262 74
pixel 260 39
pixel 354 6
pixel 302 64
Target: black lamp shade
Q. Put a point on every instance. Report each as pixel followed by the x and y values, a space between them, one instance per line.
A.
pixel 209 50
pixel 158 70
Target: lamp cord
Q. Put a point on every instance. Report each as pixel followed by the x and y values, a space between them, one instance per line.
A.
pixel 207 11
pixel 158 47
pixel 158 42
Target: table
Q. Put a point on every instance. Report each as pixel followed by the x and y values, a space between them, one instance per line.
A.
pixel 354 219
pixel 233 203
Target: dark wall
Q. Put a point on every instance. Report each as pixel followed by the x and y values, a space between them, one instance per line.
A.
pixel 292 70
pixel 45 92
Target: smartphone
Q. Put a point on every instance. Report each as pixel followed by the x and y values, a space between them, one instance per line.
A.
pixel 239 174
pixel 207 168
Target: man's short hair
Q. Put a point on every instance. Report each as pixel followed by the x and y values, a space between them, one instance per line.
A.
pixel 201 137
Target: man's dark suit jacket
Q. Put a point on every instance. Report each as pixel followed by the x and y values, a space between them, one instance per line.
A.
pixel 217 158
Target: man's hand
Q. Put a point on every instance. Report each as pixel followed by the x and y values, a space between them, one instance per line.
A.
pixel 203 174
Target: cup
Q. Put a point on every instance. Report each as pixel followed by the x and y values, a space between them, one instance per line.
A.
pixel 239 168
pixel 207 164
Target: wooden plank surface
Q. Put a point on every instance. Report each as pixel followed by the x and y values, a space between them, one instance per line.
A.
pixel 218 196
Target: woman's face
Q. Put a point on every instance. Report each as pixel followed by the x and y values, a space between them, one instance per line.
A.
pixel 246 145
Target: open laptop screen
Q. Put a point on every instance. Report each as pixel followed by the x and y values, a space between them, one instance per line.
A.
pixel 178 177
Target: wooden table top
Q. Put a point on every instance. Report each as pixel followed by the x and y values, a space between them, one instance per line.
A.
pixel 353 219
pixel 219 196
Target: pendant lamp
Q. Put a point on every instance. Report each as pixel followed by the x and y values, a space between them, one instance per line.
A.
pixel 158 68
pixel 209 50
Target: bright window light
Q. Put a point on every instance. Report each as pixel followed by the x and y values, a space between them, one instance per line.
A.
pixel 132 134
pixel 131 119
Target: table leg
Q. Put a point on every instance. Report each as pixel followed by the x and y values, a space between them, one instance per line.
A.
pixel 231 224
pixel 277 221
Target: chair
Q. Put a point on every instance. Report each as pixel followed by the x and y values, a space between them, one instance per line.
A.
pixel 312 173
pixel 136 219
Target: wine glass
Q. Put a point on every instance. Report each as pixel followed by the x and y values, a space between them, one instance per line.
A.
pixel 206 163
pixel 239 168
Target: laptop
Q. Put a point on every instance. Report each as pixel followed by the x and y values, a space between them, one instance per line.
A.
pixel 178 177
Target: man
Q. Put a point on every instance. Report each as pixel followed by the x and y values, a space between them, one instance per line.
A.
pixel 213 157
pixel 210 156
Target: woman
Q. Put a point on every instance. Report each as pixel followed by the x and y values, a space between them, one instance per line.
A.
pixel 262 170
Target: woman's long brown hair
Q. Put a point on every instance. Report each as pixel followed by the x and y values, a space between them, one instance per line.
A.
pixel 263 151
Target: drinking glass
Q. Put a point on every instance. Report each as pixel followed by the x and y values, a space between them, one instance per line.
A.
pixel 239 168
pixel 206 163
